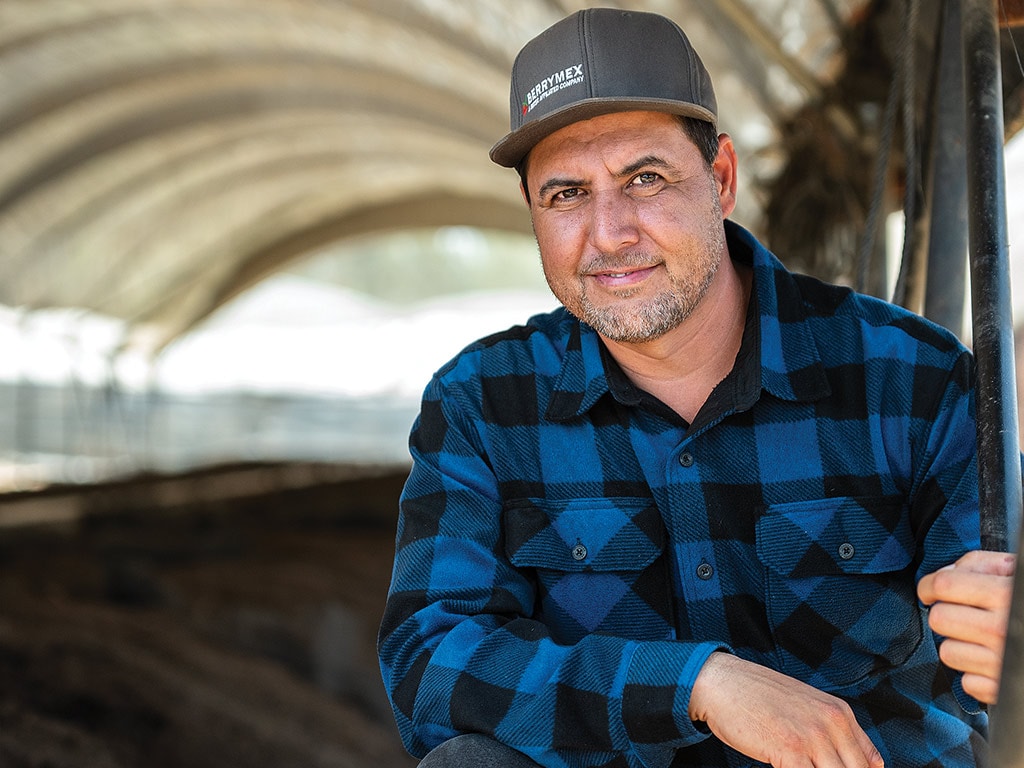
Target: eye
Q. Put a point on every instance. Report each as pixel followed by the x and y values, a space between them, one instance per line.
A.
pixel 567 194
pixel 645 178
pixel 566 197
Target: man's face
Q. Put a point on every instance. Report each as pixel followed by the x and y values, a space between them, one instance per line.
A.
pixel 628 218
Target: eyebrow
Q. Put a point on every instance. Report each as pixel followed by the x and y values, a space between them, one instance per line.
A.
pixel 557 183
pixel 647 161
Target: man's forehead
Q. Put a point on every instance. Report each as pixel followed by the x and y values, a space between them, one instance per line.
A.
pixel 617 140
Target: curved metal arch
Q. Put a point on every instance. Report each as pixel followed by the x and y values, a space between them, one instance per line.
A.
pixel 88 119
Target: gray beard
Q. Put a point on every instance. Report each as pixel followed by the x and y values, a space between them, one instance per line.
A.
pixel 651 320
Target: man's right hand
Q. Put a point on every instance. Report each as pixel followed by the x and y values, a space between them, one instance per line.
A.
pixel 777 719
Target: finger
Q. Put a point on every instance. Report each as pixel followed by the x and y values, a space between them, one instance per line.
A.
pixel 971 658
pixel 966 587
pixel 869 749
pixel 926 591
pixel 984 689
pixel 843 742
pixel 862 752
pixel 976 562
pixel 856 753
pixel 981 561
pixel 963 622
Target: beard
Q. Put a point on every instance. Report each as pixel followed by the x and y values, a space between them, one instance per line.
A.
pixel 630 318
pixel 646 320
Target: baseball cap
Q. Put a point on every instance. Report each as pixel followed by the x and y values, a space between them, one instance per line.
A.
pixel 597 61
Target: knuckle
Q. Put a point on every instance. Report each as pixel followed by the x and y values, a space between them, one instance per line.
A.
pixel 836 711
pixel 972 556
pixel 938 618
pixel 948 653
pixel 943 582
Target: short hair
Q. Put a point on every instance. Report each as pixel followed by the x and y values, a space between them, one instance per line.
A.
pixel 703 134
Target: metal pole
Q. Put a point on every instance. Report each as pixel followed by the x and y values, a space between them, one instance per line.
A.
pixel 946 292
pixel 999 472
pixel 1008 714
pixel 998 445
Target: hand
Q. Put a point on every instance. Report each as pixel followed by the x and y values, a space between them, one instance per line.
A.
pixel 777 719
pixel 970 606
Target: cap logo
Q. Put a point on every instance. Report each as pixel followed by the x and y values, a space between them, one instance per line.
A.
pixel 563 78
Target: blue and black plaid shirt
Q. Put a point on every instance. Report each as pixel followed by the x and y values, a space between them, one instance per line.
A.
pixel 570 551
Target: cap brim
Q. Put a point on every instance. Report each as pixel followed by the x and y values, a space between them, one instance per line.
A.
pixel 513 147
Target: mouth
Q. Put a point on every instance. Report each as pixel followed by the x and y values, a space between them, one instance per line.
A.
pixel 629 277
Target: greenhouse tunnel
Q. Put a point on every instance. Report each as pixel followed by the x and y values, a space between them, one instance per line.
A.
pixel 236 240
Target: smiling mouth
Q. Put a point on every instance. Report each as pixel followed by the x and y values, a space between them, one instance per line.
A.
pixel 627 277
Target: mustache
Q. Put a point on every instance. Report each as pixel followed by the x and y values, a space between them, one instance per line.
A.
pixel 619 262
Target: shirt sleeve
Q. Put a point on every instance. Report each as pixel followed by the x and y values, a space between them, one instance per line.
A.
pixel 944 501
pixel 459 651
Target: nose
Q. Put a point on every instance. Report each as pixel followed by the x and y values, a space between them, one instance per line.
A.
pixel 613 223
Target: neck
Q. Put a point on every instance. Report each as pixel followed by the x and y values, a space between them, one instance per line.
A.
pixel 683 366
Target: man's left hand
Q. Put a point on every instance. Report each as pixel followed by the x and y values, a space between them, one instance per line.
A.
pixel 970 607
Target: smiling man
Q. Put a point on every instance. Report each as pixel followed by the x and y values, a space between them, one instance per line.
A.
pixel 629 223
pixel 696 516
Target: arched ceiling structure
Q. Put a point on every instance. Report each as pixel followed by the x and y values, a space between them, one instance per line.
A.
pixel 157 157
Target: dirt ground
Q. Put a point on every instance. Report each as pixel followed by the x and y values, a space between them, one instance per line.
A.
pixel 235 635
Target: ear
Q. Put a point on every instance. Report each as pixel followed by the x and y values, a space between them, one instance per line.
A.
pixel 724 168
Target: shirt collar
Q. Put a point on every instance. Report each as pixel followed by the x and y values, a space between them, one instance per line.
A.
pixel 778 352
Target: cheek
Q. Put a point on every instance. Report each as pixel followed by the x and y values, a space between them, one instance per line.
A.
pixel 557 269
pixel 559 243
pixel 683 224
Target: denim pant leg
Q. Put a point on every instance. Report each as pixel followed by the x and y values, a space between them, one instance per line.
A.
pixel 473 750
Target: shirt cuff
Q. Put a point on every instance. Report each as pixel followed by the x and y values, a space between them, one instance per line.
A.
pixel 656 696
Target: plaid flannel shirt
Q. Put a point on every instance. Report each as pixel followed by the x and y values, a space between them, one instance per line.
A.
pixel 569 551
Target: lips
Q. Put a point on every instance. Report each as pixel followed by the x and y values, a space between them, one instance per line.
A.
pixel 613 279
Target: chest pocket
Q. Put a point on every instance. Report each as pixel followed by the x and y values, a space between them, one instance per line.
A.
pixel 599 565
pixel 841 596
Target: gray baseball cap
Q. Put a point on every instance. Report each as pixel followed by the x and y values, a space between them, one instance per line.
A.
pixel 597 61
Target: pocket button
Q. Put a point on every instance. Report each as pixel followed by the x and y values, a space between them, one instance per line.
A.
pixel 846 550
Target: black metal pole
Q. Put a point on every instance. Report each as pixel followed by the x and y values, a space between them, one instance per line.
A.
pixel 999 472
pixel 1007 716
pixel 998 444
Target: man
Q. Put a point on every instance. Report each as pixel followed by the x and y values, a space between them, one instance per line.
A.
pixel 696 516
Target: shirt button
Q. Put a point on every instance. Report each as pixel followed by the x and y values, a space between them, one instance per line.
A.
pixel 686 459
pixel 579 552
pixel 705 571
pixel 846 551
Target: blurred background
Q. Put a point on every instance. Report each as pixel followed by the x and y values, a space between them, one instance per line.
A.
pixel 236 239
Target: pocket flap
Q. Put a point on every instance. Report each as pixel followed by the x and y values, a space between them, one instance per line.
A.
pixel 577 535
pixel 835 536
